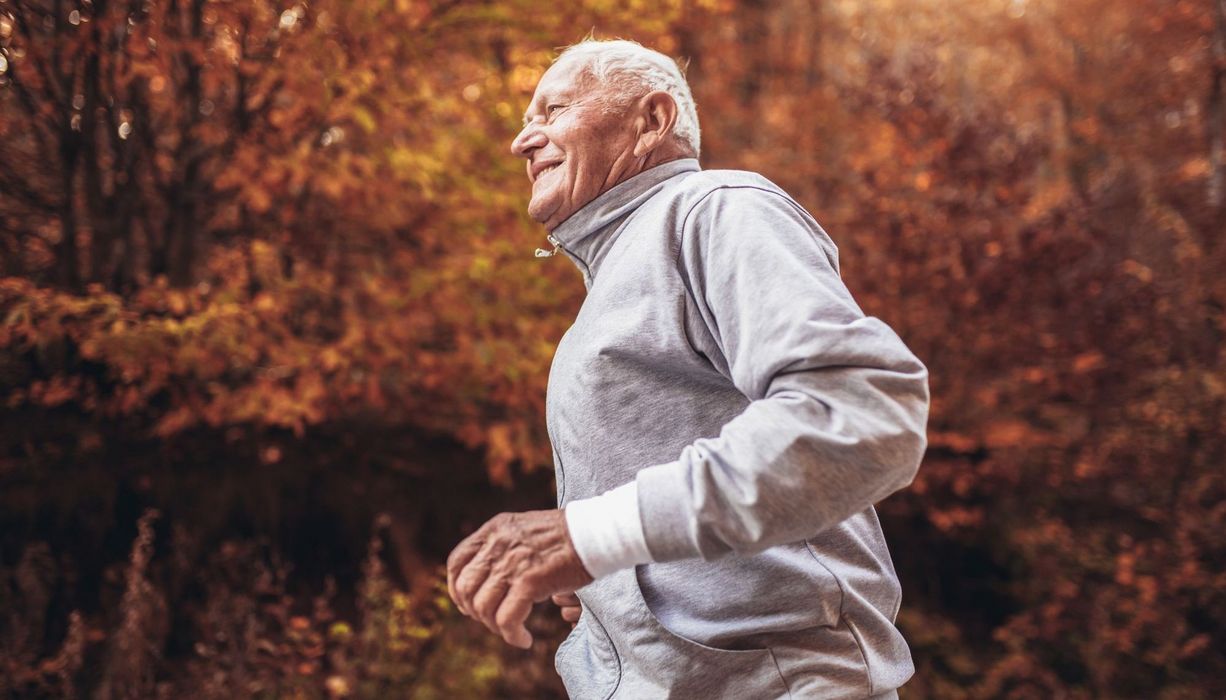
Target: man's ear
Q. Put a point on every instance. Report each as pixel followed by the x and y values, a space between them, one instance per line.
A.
pixel 655 117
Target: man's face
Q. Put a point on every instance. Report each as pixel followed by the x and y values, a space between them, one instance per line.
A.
pixel 575 151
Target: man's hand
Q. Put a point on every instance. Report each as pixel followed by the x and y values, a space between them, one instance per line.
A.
pixel 511 562
pixel 571 607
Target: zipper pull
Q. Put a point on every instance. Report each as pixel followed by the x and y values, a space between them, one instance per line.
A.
pixel 557 245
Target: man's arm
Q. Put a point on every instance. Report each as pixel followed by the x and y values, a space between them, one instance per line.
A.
pixel 839 405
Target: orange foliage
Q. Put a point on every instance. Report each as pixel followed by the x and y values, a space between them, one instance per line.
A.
pixel 260 217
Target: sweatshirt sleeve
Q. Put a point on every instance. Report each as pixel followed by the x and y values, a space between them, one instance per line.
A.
pixel 838 406
pixel 607 531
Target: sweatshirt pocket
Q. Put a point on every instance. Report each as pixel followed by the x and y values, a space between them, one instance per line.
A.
pixel 559 475
pixel 723 600
pixel 688 668
pixel 587 662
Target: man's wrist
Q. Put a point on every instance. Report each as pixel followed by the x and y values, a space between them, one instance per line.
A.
pixel 607 532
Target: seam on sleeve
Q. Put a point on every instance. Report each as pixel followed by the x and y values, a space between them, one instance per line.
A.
pixel 785 197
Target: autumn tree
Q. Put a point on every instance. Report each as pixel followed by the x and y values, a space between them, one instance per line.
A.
pixel 296 230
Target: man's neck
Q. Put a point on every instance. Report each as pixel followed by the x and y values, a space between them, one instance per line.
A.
pixel 632 165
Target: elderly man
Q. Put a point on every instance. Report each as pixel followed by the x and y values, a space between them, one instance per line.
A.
pixel 723 417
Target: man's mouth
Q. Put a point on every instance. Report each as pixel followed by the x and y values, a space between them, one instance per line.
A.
pixel 545 170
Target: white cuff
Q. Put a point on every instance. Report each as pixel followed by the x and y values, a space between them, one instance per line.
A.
pixel 607 532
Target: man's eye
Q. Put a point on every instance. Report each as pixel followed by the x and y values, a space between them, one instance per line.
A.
pixel 551 109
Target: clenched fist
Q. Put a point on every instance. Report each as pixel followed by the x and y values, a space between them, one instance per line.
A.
pixel 512 561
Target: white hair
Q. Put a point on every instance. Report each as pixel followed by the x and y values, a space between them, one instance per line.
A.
pixel 634 70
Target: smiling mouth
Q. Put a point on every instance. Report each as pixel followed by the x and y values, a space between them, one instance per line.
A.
pixel 547 169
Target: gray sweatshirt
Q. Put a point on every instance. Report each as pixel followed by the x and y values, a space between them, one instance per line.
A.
pixel 720 362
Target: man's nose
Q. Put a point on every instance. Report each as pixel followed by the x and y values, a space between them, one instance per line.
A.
pixel 529 139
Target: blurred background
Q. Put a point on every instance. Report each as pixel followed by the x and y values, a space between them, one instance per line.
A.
pixel 273 338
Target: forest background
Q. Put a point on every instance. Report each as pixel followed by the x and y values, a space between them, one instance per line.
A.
pixel 273 338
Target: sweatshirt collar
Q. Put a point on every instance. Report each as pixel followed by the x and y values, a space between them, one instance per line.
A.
pixel 588 234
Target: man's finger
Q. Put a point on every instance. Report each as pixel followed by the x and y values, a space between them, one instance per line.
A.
pixel 468 581
pixel 456 561
pixel 571 613
pixel 511 616
pixel 488 598
pixel 564 599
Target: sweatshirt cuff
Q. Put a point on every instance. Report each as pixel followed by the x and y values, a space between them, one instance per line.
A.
pixel 666 514
pixel 607 532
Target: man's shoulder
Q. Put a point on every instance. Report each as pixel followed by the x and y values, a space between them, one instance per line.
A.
pixel 704 182
pixel 700 185
pixel 750 197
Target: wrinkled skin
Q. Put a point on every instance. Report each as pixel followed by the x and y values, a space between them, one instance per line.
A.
pixel 512 561
pixel 573 124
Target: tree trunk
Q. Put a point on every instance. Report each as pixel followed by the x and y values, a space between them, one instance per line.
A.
pixel 1217 108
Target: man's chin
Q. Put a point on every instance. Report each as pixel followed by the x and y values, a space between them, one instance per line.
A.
pixel 544 214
